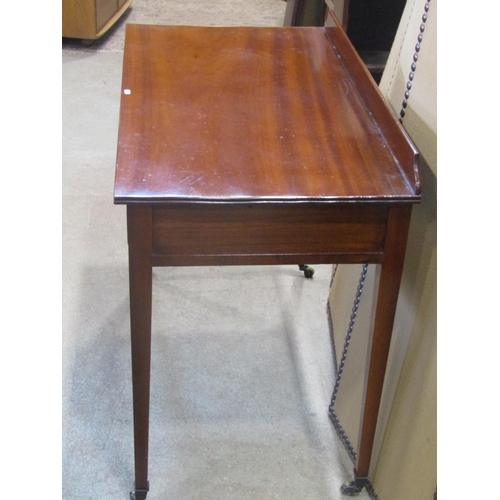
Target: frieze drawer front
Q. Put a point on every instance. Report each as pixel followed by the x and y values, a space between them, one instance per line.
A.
pixel 267 229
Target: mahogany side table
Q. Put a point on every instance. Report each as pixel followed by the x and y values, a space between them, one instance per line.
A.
pixel 258 146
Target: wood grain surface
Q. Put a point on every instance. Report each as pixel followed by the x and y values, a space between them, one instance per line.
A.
pixel 315 232
pixel 251 114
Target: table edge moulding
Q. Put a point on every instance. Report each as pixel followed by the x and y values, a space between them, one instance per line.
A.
pixel 287 154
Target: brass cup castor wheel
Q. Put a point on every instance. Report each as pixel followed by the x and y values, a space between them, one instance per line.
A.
pixel 354 488
pixel 139 494
pixel 308 271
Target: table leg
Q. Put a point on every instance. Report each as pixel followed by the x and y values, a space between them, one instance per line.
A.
pixel 389 279
pixel 139 227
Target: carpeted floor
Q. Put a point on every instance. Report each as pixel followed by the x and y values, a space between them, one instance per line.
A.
pixel 193 12
pixel 242 368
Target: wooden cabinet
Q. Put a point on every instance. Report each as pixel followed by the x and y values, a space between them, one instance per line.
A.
pixel 371 28
pixel 90 19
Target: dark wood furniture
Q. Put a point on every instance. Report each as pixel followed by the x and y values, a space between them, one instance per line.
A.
pixel 304 13
pixel 258 146
pixel 370 26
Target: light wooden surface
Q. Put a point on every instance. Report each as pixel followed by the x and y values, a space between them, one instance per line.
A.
pixel 90 19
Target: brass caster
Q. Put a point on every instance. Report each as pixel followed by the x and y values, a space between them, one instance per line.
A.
pixel 354 488
pixel 350 489
pixel 139 494
pixel 308 271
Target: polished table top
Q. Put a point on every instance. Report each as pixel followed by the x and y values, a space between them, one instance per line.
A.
pixel 255 114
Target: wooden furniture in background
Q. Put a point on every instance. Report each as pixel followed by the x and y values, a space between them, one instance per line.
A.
pixel 370 26
pixel 304 13
pixel 90 19
pixel 258 146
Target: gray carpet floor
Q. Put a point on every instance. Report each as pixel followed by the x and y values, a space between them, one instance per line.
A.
pixel 242 368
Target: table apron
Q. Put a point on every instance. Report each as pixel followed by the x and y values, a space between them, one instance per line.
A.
pixel 267 233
